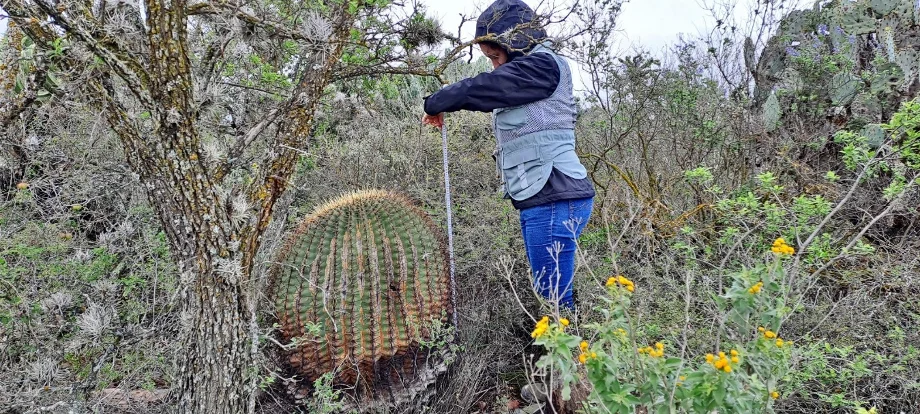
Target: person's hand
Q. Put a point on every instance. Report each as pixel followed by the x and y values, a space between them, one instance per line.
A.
pixel 434 120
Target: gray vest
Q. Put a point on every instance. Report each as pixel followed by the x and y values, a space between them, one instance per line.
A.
pixel 534 138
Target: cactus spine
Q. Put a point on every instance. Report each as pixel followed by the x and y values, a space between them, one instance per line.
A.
pixel 370 271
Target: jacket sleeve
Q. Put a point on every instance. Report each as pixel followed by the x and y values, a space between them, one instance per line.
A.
pixel 524 80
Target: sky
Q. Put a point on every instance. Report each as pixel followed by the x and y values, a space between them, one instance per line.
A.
pixel 651 23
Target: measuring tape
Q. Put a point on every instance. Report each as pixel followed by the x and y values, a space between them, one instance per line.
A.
pixel 450 224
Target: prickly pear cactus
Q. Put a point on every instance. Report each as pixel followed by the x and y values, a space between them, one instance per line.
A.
pixel 874 50
pixel 887 78
pixel 875 135
pixel 866 108
pixel 749 49
pixel 771 113
pixel 844 88
pixel 358 288
pixel 855 19
pixel 883 7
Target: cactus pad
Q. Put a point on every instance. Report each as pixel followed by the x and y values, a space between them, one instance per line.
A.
pixel 771 113
pixel 844 88
pixel 875 135
pixel 855 20
pixel 908 61
pixel 357 288
pixel 883 7
pixel 887 78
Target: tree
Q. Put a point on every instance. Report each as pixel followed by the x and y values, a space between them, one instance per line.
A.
pixel 156 79
pixel 213 102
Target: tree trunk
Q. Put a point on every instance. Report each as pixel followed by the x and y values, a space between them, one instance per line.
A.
pixel 217 359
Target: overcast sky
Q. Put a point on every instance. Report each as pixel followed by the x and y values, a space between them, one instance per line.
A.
pixel 653 24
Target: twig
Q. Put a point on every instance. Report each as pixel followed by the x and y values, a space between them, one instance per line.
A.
pixel 508 273
pixel 813 277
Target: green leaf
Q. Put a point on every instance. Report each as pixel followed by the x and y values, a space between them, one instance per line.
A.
pixel 719 393
pixel 672 363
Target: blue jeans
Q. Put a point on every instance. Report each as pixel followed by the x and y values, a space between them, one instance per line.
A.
pixel 550 231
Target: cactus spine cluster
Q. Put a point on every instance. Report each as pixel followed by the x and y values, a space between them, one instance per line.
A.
pixel 356 289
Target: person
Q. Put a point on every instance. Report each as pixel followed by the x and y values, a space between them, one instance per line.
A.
pixel 530 94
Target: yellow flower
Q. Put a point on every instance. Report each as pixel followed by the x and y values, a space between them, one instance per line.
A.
pixel 720 364
pixel 779 343
pixel 682 378
pixel 761 329
pixel 781 248
pixel 582 358
pixel 735 360
pixel 538 332
pixel 774 394
pixel 756 288
pixel 622 281
pixel 728 368
pixel 769 334
pixel 734 352
pixel 710 358
pixel 540 328
pixel 583 345
pixel 721 355
pixel 594 355
pixel 564 321
pixel 655 352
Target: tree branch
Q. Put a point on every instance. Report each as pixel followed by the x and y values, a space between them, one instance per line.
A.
pixel 128 69
pixel 293 132
pixel 274 29
pixel 14 107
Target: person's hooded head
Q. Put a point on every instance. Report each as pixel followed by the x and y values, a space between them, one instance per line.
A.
pixel 511 23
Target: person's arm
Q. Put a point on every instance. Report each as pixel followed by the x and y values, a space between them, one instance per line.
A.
pixel 524 80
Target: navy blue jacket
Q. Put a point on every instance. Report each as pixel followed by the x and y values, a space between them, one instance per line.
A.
pixel 522 80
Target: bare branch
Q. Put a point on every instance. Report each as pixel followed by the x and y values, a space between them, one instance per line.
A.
pixel 274 29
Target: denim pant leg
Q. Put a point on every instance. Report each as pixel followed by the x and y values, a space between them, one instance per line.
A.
pixel 550 231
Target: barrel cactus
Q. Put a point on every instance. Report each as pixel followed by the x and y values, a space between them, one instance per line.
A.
pixel 361 290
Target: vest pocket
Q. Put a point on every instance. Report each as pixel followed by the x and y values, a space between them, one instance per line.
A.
pixel 521 169
pixel 511 118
